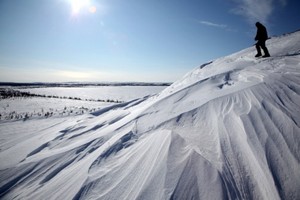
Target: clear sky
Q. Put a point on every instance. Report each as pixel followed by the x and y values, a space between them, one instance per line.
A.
pixel 129 40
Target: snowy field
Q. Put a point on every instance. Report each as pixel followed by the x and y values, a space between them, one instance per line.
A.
pixel 117 93
pixel 90 99
pixel 229 129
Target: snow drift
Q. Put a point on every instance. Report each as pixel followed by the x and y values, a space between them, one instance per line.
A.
pixel 229 129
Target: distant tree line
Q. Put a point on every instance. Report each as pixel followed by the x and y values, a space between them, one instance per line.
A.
pixel 10 93
pixel 71 84
pixel 66 111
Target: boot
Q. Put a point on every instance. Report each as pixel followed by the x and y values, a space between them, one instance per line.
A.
pixel 258 55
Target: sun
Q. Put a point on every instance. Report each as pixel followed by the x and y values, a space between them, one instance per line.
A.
pixel 82 5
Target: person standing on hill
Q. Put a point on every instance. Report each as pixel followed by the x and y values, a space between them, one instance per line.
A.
pixel 261 37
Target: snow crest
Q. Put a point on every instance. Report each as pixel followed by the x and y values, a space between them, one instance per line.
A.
pixel 229 129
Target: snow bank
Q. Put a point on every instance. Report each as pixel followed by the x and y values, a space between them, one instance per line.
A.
pixel 229 129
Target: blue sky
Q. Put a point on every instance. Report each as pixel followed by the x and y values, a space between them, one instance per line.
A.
pixel 129 40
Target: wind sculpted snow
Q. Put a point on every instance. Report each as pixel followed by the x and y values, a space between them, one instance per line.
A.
pixel 229 129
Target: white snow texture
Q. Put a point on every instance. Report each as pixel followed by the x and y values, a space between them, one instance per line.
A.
pixel 229 129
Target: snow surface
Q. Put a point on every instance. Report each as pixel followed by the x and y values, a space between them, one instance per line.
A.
pixel 85 99
pixel 37 107
pixel 229 129
pixel 119 93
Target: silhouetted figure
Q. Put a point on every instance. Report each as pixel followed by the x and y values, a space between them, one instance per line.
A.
pixel 261 37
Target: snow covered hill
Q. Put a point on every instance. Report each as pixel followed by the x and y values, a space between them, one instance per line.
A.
pixel 229 129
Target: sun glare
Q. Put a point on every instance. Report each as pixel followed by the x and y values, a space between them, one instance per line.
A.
pixel 82 5
pixel 74 75
pixel 93 9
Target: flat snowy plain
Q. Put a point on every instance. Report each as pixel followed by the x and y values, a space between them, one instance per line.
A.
pixel 119 93
pixel 86 100
pixel 229 129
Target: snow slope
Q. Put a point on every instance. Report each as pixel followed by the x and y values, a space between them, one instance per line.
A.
pixel 229 129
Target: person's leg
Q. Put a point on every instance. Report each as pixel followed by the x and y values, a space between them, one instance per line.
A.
pixel 263 46
pixel 257 45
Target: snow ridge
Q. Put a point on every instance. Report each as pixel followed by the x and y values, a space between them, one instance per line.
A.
pixel 229 129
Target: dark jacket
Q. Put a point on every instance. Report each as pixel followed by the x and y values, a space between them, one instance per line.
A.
pixel 261 34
